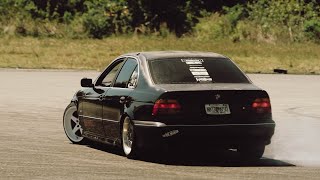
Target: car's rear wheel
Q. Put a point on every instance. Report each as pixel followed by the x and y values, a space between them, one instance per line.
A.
pixel 128 138
pixel 71 124
pixel 251 152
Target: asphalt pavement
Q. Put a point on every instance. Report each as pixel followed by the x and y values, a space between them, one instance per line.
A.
pixel 33 144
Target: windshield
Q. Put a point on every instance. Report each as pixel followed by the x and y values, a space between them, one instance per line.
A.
pixel 195 70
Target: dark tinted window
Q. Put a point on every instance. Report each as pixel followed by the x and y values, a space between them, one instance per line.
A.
pixel 125 73
pixel 110 73
pixel 194 70
pixel 133 81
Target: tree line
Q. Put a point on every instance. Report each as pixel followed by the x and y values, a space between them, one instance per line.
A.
pixel 102 18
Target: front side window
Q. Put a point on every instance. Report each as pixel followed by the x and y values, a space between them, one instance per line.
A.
pixel 195 70
pixel 107 77
pixel 125 73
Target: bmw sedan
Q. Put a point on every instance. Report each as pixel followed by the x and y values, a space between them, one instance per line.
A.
pixel 169 99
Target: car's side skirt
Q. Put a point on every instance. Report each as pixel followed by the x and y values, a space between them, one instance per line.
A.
pixel 97 138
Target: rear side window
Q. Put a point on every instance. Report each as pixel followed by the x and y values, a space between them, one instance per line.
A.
pixel 195 70
pixel 125 73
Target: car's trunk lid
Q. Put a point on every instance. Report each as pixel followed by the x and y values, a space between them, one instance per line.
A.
pixel 195 98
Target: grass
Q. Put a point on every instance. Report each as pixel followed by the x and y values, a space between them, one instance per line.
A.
pixel 50 53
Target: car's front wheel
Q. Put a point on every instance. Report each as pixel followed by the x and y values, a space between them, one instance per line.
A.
pixel 128 138
pixel 71 124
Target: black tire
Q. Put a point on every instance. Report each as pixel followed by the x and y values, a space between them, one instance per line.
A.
pixel 251 152
pixel 128 139
pixel 71 126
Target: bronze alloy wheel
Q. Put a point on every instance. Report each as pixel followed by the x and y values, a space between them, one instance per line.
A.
pixel 128 138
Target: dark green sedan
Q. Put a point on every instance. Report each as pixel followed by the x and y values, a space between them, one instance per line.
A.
pixel 168 99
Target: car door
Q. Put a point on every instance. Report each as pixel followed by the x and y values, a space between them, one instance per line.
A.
pixel 93 99
pixel 117 97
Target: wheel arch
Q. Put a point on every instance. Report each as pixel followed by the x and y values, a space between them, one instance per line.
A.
pixel 127 112
pixel 75 100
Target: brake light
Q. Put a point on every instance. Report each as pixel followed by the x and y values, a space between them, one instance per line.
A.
pixel 166 106
pixel 262 105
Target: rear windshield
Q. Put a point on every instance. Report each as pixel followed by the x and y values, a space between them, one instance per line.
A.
pixel 195 70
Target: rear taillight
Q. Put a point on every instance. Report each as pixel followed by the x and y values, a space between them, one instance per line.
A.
pixel 165 107
pixel 262 105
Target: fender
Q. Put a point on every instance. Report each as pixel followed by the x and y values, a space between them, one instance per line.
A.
pixel 75 98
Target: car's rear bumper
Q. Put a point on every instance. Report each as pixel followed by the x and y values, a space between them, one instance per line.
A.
pixel 154 134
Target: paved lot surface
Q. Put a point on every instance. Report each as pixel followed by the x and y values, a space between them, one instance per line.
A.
pixel 33 144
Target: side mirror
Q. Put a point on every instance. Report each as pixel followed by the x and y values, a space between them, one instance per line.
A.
pixel 85 82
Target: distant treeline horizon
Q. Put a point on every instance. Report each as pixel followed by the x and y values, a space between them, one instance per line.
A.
pixel 237 20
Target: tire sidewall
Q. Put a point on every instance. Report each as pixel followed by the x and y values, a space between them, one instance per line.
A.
pixel 71 105
pixel 133 152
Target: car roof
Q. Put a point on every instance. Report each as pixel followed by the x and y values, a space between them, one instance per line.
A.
pixel 174 54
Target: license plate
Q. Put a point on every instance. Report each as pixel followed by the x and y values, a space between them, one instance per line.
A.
pixel 217 109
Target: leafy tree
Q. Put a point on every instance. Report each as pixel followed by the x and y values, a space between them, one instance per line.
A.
pixel 178 15
pixel 292 14
pixel 106 17
pixel 218 5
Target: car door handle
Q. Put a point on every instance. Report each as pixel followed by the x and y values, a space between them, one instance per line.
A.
pixel 101 98
pixel 122 99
